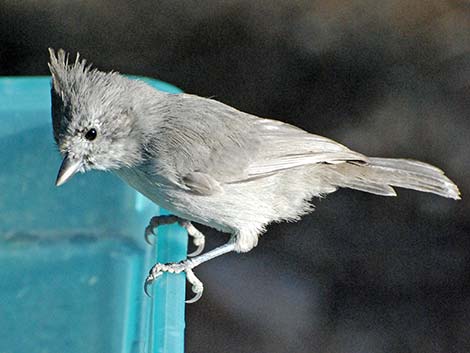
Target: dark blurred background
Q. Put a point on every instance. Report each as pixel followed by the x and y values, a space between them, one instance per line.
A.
pixel 388 78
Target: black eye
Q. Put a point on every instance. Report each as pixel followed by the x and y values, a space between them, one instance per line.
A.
pixel 91 134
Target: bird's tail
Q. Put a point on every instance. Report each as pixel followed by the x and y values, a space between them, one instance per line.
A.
pixel 379 176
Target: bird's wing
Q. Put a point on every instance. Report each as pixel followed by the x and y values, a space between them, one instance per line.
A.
pixel 205 144
pixel 286 146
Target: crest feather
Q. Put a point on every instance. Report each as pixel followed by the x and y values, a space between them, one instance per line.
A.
pixel 63 73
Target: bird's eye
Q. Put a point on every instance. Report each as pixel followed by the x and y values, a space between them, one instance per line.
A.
pixel 91 134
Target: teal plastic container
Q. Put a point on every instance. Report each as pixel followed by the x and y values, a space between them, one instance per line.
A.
pixel 73 259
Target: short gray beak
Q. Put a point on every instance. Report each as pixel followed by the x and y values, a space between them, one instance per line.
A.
pixel 68 168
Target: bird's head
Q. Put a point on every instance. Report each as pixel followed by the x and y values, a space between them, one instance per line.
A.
pixel 94 123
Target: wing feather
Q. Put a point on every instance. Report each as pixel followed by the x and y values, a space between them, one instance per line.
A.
pixel 286 146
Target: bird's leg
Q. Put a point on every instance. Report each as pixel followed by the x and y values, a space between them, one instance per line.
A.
pixel 187 266
pixel 198 238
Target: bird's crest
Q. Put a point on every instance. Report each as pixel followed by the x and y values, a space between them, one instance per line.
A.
pixel 65 76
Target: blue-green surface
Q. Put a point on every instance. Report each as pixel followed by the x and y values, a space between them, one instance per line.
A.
pixel 73 259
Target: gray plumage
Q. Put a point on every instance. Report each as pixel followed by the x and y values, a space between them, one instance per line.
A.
pixel 207 162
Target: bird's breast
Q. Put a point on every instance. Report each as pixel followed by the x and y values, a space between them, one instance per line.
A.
pixel 154 188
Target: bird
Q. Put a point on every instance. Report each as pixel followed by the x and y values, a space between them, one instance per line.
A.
pixel 207 162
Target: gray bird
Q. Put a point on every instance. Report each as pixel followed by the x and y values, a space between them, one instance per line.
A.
pixel 207 162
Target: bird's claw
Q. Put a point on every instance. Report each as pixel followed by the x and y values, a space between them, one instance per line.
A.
pixel 177 267
pixel 199 242
pixel 148 281
pixel 149 231
pixel 155 222
pixel 199 239
pixel 197 286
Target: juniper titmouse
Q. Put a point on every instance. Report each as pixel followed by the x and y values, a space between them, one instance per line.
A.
pixel 207 162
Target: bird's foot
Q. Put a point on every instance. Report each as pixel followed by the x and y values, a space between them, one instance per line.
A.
pixel 187 266
pixel 198 238
pixel 177 267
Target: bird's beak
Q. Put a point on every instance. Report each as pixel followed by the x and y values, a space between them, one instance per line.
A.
pixel 67 169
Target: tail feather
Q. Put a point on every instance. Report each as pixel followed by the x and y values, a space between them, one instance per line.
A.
pixel 379 176
pixel 367 186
